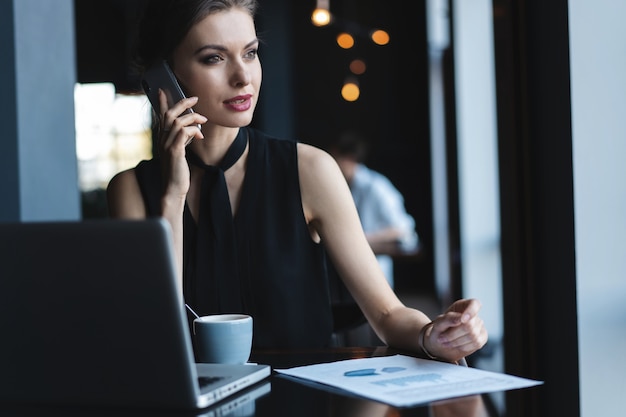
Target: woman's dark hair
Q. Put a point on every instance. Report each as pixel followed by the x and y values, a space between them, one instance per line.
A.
pixel 164 24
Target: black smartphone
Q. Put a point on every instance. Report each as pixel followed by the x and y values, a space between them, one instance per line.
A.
pixel 161 76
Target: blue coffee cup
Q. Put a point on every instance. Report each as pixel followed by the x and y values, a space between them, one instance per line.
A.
pixel 223 338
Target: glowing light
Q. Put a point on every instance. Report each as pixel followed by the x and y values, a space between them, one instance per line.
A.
pixel 380 37
pixel 320 17
pixel 357 66
pixel 345 40
pixel 350 91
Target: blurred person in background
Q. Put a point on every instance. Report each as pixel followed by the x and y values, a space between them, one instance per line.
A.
pixel 387 225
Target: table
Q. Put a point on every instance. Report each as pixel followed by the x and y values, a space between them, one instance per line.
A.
pixel 278 396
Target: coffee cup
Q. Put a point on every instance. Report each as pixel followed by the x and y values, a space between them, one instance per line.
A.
pixel 223 338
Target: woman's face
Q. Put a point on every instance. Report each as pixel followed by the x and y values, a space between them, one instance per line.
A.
pixel 217 61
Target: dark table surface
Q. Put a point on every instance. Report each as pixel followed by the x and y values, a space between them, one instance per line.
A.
pixel 282 396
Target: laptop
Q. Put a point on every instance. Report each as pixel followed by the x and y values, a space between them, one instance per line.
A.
pixel 90 314
pixel 242 404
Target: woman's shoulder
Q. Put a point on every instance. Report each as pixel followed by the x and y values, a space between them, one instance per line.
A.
pixel 146 170
pixel 122 178
pixel 314 158
pixel 123 195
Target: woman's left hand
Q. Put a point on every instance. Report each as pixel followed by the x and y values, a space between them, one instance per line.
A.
pixel 457 333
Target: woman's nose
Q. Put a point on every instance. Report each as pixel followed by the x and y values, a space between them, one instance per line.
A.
pixel 241 74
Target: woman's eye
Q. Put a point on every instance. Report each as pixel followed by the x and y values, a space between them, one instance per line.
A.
pixel 211 59
pixel 252 54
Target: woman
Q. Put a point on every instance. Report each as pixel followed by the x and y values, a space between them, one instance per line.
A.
pixel 287 204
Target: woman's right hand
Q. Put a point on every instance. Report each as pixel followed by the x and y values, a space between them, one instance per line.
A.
pixel 457 333
pixel 177 129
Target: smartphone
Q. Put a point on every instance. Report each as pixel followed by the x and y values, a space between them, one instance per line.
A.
pixel 161 76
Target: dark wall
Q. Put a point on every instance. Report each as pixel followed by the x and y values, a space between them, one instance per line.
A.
pixel 392 111
pixel 103 47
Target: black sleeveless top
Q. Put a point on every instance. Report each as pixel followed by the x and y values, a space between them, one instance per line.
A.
pixel 282 272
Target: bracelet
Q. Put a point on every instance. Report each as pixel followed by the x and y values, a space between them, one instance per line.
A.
pixel 420 341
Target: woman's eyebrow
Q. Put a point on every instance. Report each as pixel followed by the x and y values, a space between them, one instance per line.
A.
pixel 223 48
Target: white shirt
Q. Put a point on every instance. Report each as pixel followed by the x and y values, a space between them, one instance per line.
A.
pixel 381 205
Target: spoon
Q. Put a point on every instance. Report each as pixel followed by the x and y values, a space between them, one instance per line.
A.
pixel 191 309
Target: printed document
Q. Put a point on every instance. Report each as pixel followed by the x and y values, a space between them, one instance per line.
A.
pixel 404 381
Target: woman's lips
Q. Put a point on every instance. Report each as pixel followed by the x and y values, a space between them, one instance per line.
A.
pixel 239 103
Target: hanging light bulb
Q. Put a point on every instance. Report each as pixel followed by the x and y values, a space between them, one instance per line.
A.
pixel 321 15
pixel 345 40
pixel 357 66
pixel 350 90
pixel 379 37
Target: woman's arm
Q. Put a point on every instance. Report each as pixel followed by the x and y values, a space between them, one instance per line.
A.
pixel 124 197
pixel 330 210
pixel 124 201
